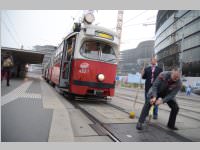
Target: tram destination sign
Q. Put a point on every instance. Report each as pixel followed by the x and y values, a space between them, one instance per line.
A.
pixel 104 35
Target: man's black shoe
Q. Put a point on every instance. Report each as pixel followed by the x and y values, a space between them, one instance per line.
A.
pixel 172 128
pixel 139 126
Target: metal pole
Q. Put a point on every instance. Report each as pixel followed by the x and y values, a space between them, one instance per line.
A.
pixel 119 30
pixel 181 52
pixel 163 66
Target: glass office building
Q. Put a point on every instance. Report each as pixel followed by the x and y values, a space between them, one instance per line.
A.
pixel 178 33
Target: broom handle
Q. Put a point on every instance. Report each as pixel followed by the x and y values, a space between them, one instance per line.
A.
pixel 151 110
pixel 150 113
pixel 136 96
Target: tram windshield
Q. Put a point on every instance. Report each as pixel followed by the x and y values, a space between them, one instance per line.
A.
pixel 98 50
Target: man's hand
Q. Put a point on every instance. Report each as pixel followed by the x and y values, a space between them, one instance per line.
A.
pixel 159 101
pixel 152 100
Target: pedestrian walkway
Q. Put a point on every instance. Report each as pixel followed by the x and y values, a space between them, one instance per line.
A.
pixel 31 112
pixel 23 119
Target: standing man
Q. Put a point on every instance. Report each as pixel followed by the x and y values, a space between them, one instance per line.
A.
pixel 7 64
pixel 164 90
pixel 150 74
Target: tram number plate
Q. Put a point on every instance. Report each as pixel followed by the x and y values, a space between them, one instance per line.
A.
pixel 98 92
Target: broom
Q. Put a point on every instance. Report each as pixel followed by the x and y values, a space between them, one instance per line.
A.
pixel 151 113
pixel 132 113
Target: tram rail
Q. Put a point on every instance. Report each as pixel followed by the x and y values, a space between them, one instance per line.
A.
pixel 98 124
pixel 180 113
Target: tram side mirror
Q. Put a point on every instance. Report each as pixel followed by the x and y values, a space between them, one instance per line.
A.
pixel 77 27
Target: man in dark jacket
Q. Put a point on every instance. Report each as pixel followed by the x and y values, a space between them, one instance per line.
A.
pixel 150 74
pixel 164 90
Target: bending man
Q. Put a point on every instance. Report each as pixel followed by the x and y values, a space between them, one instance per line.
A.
pixel 163 90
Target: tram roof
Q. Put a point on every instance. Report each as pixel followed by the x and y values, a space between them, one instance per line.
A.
pixel 99 28
pixel 95 27
pixel 24 56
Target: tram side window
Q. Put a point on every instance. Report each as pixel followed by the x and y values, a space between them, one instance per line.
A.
pixel 59 57
pixel 58 53
pixel 54 60
pixel 70 47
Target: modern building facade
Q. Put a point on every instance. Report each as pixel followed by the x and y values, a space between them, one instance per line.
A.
pixel 132 60
pixel 177 40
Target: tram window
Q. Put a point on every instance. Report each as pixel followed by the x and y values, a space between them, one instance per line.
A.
pixel 90 49
pixel 69 50
pixel 108 53
pixel 70 43
pixel 98 50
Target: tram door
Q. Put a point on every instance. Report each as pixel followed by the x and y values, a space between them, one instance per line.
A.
pixel 68 52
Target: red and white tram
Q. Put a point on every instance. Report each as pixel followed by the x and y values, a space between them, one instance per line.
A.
pixel 85 63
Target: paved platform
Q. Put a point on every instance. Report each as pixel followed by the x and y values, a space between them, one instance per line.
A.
pixel 32 111
pixel 24 120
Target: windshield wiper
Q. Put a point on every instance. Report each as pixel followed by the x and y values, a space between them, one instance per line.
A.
pixel 110 59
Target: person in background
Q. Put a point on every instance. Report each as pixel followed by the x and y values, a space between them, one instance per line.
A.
pixel 163 90
pixel 150 73
pixel 7 64
pixel 188 90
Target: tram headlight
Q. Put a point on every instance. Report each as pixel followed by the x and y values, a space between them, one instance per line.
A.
pixel 101 77
pixel 89 18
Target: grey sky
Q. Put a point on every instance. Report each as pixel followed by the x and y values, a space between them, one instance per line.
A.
pixel 48 27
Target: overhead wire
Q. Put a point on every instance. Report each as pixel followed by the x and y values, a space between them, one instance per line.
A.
pixel 13 27
pixel 129 40
pixel 135 17
pixel 138 24
pixel 10 33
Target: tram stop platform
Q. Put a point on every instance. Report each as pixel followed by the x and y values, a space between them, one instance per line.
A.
pixel 32 111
